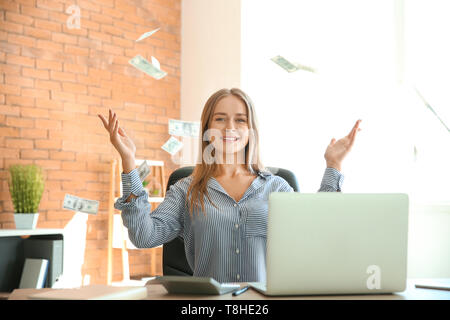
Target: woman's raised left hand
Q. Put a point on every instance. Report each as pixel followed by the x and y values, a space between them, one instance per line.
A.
pixel 338 150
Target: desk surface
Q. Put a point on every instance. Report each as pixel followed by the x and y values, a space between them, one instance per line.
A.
pixel 158 292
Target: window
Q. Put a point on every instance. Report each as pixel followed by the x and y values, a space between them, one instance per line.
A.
pixel 360 50
pixel 427 67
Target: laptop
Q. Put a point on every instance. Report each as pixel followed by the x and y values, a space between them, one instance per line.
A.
pixel 335 243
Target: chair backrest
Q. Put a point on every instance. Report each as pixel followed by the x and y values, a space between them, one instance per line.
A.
pixel 174 256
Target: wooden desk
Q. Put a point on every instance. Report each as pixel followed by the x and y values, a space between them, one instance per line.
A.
pixel 158 292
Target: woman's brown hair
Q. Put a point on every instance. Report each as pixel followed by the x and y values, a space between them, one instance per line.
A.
pixel 197 191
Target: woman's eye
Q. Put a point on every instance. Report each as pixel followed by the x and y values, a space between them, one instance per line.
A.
pixel 220 119
pixel 241 120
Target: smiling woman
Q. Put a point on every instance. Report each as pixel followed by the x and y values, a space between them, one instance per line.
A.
pixel 228 127
pixel 221 209
pixel 229 123
pixel 227 119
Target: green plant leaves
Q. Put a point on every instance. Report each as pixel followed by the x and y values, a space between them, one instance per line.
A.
pixel 26 186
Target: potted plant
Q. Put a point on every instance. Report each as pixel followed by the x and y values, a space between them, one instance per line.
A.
pixel 26 185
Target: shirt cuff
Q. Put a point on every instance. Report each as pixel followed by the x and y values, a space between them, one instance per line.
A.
pixel 131 183
pixel 333 178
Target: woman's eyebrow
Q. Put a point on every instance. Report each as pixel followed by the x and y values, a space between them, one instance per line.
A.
pixel 225 114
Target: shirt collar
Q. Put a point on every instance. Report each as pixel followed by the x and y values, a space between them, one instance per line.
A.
pixel 255 185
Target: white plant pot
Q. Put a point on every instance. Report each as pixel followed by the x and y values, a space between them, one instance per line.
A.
pixel 26 220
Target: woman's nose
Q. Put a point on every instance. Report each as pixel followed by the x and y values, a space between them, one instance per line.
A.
pixel 230 124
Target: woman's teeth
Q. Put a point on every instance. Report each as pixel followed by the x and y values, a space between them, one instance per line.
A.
pixel 230 138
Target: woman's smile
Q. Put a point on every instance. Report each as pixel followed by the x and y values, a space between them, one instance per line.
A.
pixel 230 139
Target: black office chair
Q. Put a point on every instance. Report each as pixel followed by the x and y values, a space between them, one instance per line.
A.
pixel 174 257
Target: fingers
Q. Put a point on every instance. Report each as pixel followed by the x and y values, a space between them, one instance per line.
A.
pixel 112 119
pixel 105 124
pixel 354 130
pixel 113 124
pixel 352 134
pixel 355 127
pixel 116 127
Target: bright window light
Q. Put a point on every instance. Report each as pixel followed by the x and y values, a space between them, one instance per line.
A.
pixel 358 49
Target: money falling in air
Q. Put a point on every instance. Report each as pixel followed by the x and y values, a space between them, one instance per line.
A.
pixel 172 146
pixel 75 203
pixel 143 65
pixel 184 128
pixel 290 66
pixel 146 35
pixel 143 170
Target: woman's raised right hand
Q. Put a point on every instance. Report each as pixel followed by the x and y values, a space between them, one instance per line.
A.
pixel 119 139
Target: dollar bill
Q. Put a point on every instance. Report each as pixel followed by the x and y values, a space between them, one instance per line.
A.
pixel 172 146
pixel 431 109
pixel 143 170
pixel 290 66
pixel 184 128
pixel 155 62
pixel 143 65
pixel 146 35
pixel 306 68
pixel 75 203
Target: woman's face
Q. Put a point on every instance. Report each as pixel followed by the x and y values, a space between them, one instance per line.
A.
pixel 228 129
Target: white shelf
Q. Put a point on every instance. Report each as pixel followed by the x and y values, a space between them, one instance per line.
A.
pixel 28 232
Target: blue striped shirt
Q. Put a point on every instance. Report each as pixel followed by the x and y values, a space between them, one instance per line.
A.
pixel 227 244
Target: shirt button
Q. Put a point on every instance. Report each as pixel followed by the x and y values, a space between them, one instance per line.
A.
pixel 238 276
pixel 236 225
pixel 237 251
pixel 235 205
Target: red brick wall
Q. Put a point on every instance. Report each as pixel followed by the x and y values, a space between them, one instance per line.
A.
pixel 55 80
